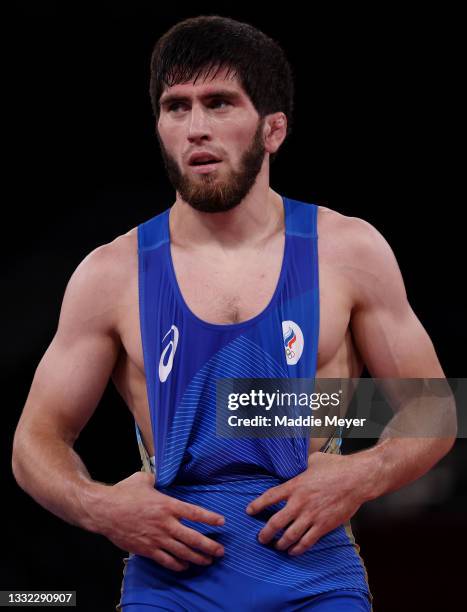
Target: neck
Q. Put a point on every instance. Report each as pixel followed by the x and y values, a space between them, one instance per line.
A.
pixel 258 216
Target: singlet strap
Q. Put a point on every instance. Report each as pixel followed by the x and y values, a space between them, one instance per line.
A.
pixel 299 220
pixel 154 232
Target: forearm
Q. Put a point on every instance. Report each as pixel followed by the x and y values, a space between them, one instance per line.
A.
pixel 420 433
pixel 53 474
pixel 395 462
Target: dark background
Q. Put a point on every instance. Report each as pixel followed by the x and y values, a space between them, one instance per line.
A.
pixel 374 134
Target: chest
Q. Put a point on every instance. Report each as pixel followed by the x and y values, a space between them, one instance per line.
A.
pixel 226 288
pixel 233 290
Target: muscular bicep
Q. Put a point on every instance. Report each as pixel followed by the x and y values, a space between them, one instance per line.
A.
pixel 390 338
pixel 74 371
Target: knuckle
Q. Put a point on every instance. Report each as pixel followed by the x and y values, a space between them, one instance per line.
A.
pixel 310 511
pixel 287 540
pixel 177 567
pixel 299 496
pixel 184 554
pixel 171 528
pixel 183 534
pixel 159 558
pixel 195 513
pixel 293 508
pixel 309 540
pixel 176 505
pixel 292 534
pixel 275 522
pixel 192 540
pixel 208 545
pixel 193 556
pixel 202 559
pixel 307 517
pixel 165 507
pixel 203 543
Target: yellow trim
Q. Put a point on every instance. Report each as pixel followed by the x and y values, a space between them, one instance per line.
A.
pixel 146 467
pixel 333 446
pixel 119 605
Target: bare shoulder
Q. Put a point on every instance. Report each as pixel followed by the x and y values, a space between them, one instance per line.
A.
pixel 350 229
pixel 98 288
pixel 360 254
pixel 350 238
pixel 112 262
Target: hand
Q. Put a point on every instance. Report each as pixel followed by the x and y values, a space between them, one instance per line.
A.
pixel 319 499
pixel 146 522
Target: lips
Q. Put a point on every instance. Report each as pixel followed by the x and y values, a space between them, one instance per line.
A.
pixel 204 168
pixel 202 158
pixel 203 163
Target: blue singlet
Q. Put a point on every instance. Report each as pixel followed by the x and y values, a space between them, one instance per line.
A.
pixel 183 357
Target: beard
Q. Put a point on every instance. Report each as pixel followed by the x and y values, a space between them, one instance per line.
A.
pixel 213 195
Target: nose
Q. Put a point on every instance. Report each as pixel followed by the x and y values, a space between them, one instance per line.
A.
pixel 199 128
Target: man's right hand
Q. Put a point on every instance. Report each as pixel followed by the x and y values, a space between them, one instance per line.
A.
pixel 144 521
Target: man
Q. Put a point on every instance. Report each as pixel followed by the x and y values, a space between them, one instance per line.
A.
pixel 209 289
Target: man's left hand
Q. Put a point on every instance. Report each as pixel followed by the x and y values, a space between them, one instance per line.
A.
pixel 319 499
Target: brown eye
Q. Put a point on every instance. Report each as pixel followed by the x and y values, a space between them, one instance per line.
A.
pixel 174 106
pixel 218 102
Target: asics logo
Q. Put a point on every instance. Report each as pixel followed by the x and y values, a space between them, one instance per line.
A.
pixel 166 368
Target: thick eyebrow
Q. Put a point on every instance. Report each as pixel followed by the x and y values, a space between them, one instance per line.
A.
pixel 217 93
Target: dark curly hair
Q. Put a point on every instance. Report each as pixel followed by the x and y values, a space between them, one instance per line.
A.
pixel 206 44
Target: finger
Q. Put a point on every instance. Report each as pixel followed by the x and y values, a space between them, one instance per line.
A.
pixel 194 539
pixel 307 541
pixel 197 513
pixel 294 533
pixel 184 553
pixel 268 498
pixel 278 521
pixel 168 561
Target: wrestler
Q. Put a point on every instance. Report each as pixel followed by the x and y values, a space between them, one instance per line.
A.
pixel 224 284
